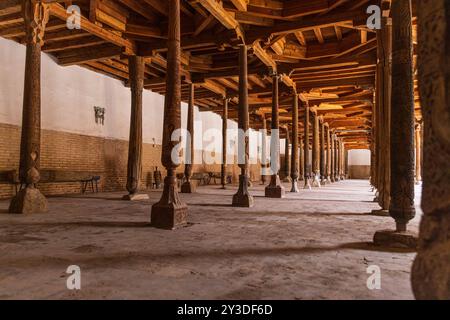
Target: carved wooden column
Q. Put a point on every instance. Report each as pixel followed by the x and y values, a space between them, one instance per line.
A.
pixel 287 159
pixel 274 189
pixel 328 151
pixel 188 186
pixel 294 155
pixel 346 164
pixel 383 109
pixel 339 158
pixel 316 150
pixel 306 148
pixel 136 67
pixel 243 198
pixel 402 128
pixel 30 199
pixel 332 158
pixel 223 171
pixel 323 175
pixel 402 117
pixel 301 151
pixel 342 166
pixel 336 158
pixel 418 153
pixel 170 211
pixel 431 268
pixel 264 150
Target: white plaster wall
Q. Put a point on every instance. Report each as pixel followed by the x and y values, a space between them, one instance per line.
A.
pixel 359 157
pixel 69 95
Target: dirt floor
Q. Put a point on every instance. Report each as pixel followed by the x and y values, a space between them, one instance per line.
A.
pixel 311 245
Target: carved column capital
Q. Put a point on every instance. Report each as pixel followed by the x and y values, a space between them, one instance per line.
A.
pixel 35 15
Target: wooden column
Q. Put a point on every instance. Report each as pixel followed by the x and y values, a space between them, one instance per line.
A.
pixel 383 110
pixel 243 198
pixel 418 153
pixel 294 153
pixel 336 158
pixel 170 211
pixel 301 159
pixel 188 186
pixel 346 164
pixel 328 151
pixel 323 175
pixel 136 67
pixel 274 189
pixel 307 174
pixel 316 150
pixel 342 148
pixel 223 171
pixel 431 270
pixel 402 117
pixel 264 150
pixel 30 199
pixel 287 158
pixel 333 158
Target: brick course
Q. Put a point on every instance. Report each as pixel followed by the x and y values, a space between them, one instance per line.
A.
pixel 76 152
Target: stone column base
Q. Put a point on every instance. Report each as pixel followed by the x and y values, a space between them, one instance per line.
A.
pixel 135 197
pixel 169 216
pixel 170 212
pixel 316 182
pixel 243 198
pixel 294 187
pixel 395 239
pixel 307 184
pixel 287 180
pixel 274 191
pixel 188 187
pixel 28 200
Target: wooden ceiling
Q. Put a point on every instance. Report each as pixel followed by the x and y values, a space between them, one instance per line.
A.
pixel 323 48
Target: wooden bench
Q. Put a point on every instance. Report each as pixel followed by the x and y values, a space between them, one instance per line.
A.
pixel 86 178
pixel 218 175
pixel 202 178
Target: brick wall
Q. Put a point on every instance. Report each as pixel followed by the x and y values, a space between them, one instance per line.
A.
pixel 75 152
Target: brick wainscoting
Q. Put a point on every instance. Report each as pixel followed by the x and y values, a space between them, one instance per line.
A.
pixel 75 152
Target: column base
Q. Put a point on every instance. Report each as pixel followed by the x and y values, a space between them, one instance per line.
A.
pixel 28 200
pixel 243 198
pixel 287 180
pixel 376 197
pixel 380 213
pixel 316 182
pixel 294 187
pixel 307 184
pixel 170 212
pixel 135 197
pixel 323 181
pixel 274 189
pixel 396 239
pixel 431 262
pixel 188 187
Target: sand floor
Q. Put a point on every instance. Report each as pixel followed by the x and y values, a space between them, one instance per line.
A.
pixel 311 245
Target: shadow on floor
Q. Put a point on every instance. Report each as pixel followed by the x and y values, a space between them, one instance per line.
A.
pixel 87 197
pixel 127 257
pixel 96 224
pixel 210 204
pixel 312 199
